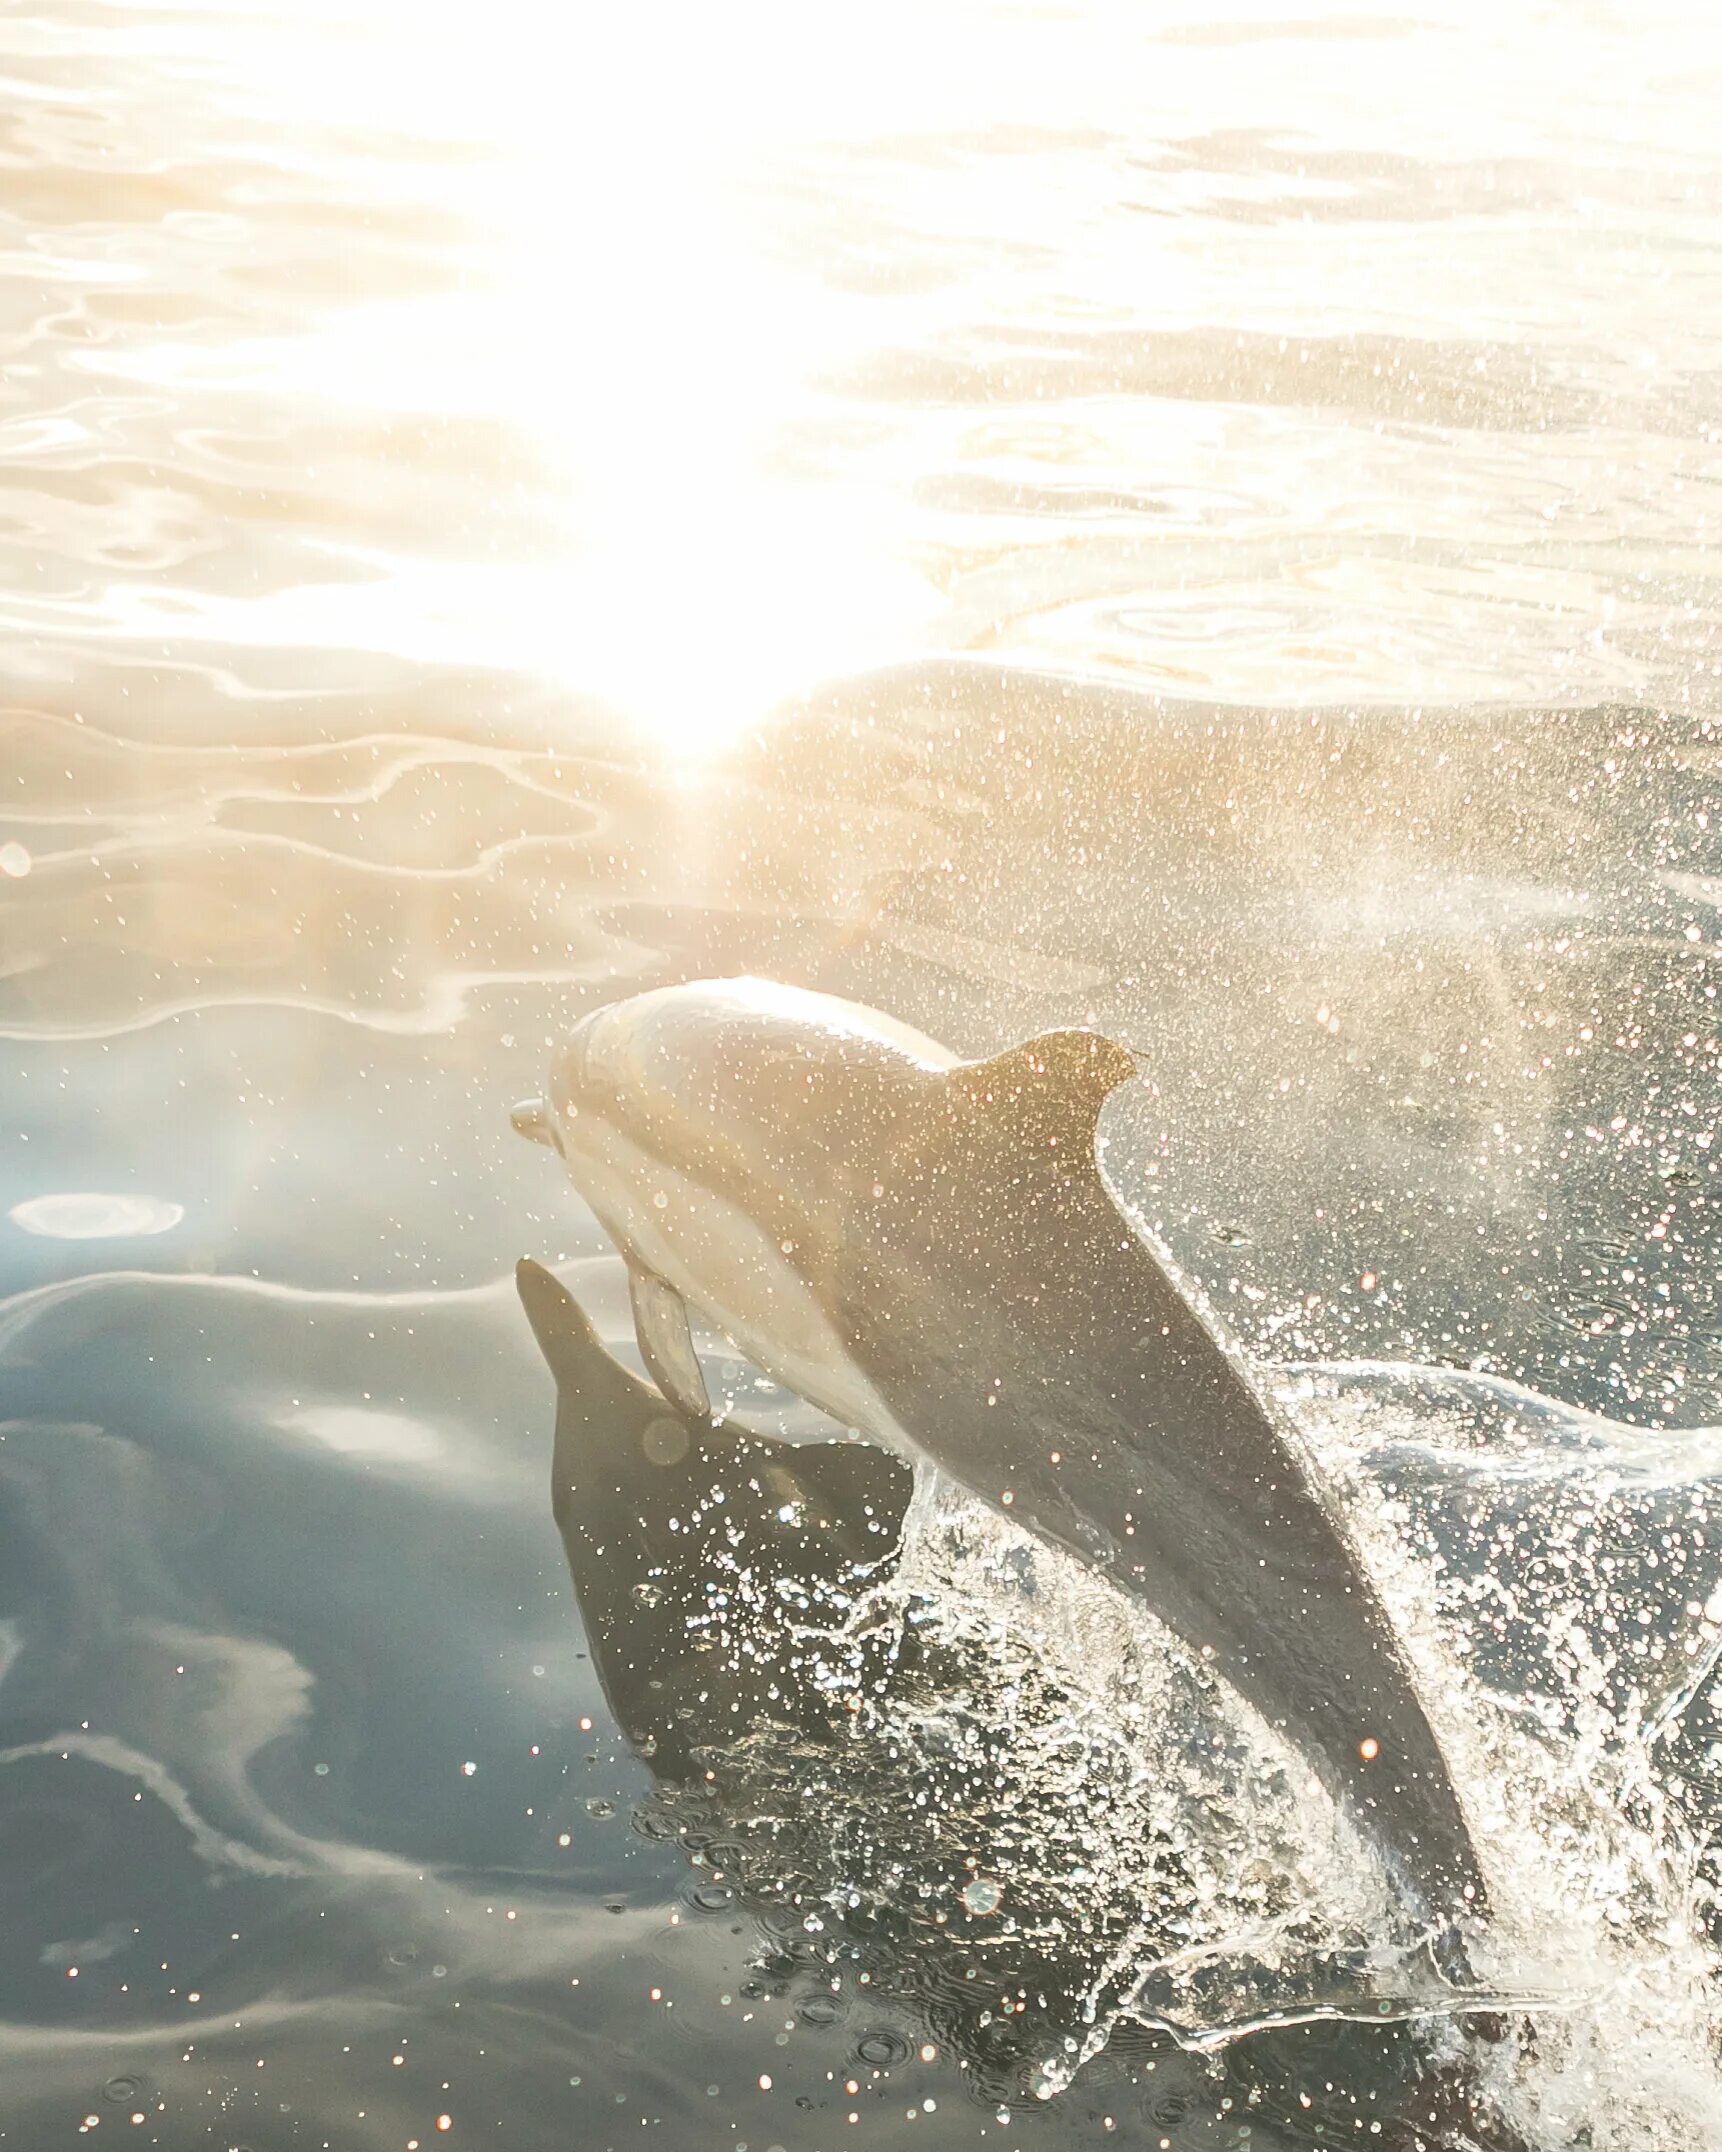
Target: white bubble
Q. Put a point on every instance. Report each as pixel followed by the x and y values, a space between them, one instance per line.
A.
pixel 982 1896
pixel 14 861
pixel 95 1217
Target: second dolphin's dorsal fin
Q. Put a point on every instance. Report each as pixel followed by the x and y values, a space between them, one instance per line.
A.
pixel 1052 1086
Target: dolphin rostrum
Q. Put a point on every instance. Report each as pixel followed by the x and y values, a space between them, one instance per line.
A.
pixel 925 1249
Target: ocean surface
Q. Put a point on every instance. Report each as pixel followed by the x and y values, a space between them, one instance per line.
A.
pixel 1199 522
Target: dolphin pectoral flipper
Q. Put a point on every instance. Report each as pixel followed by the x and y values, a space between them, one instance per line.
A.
pixel 666 1341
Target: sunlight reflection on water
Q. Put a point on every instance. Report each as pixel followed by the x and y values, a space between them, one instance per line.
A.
pixel 687 359
pixel 95 1217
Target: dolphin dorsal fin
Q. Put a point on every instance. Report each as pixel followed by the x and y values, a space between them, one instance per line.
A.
pixel 1053 1086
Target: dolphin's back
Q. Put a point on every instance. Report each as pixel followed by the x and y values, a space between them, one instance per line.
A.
pixel 1028 1339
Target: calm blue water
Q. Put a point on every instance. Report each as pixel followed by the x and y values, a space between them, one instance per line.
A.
pixel 1018 515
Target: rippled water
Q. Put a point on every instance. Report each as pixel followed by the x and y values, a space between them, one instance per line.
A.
pixel 1203 524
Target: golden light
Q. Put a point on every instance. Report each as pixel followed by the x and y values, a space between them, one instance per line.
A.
pixel 640 347
pixel 604 323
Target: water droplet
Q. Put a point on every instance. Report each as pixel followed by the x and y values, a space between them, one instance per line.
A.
pixel 120 2089
pixel 882 2050
pixel 600 1808
pixel 981 1895
pixel 648 1595
pixel 664 1441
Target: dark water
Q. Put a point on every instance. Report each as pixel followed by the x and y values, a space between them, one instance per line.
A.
pixel 1249 490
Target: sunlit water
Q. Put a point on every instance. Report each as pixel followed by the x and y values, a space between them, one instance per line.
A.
pixel 1201 523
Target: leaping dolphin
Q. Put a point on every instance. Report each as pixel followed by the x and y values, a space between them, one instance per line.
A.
pixel 925 1248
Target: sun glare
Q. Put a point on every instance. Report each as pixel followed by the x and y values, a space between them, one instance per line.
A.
pixel 712 536
pixel 643 329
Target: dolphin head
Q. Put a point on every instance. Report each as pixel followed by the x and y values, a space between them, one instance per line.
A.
pixel 746 1090
pixel 739 1065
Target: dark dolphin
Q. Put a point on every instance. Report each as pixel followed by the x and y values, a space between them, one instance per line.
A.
pixel 678 1529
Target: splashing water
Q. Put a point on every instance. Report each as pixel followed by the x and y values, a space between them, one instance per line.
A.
pixel 1115 1841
